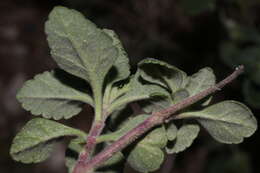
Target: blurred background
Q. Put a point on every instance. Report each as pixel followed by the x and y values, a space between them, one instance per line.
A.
pixel 189 34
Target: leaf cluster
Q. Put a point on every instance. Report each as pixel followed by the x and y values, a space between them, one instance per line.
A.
pixel 94 70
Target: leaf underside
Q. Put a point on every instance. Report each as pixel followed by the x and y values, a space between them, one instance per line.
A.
pixel 34 143
pixel 52 97
pixel 227 122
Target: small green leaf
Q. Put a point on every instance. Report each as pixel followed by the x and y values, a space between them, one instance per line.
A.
pixel 185 136
pixel 145 158
pixel 157 104
pixel 52 96
pixel 79 47
pixel 121 66
pixel 34 143
pixel 138 90
pixel 172 132
pixel 227 122
pixel 252 93
pixel 180 95
pixel 147 155
pixel 201 80
pixel 162 73
pixel 123 129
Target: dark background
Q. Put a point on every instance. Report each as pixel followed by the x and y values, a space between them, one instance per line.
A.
pixel 186 34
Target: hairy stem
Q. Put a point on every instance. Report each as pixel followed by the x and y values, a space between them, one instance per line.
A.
pixel 155 119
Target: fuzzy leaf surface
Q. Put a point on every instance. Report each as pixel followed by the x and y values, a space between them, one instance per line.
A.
pixel 79 47
pixel 138 90
pixel 34 143
pixel 147 155
pixel 121 67
pixel 184 138
pixel 227 122
pixel 162 73
pixel 172 132
pixel 201 80
pixel 52 97
pixel 124 128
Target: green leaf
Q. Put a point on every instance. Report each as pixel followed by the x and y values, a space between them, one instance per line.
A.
pixel 159 103
pixel 201 80
pixel 121 67
pixel 252 93
pixel 180 95
pixel 79 47
pixel 162 73
pixel 53 95
pixel 145 158
pixel 138 90
pixel 172 132
pixel 185 136
pixel 34 143
pixel 124 128
pixel 147 155
pixel 227 122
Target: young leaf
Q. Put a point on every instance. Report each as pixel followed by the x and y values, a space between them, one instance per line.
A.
pixel 121 66
pixel 227 122
pixel 79 47
pixel 162 73
pixel 171 132
pixel 201 80
pixel 160 103
pixel 185 136
pixel 34 143
pixel 147 155
pixel 51 97
pixel 123 129
pixel 145 158
pixel 137 91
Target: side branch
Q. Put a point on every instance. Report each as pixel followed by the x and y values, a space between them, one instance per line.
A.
pixel 155 119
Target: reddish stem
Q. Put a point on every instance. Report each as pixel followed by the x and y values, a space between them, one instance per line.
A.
pixel 91 141
pixel 155 119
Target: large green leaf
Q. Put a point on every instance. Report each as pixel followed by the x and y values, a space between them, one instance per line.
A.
pixel 138 90
pixel 162 73
pixel 147 155
pixel 184 138
pixel 53 95
pixel 79 47
pixel 227 122
pixel 34 143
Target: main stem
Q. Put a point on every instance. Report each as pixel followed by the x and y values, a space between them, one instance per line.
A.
pixel 155 119
pixel 95 130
